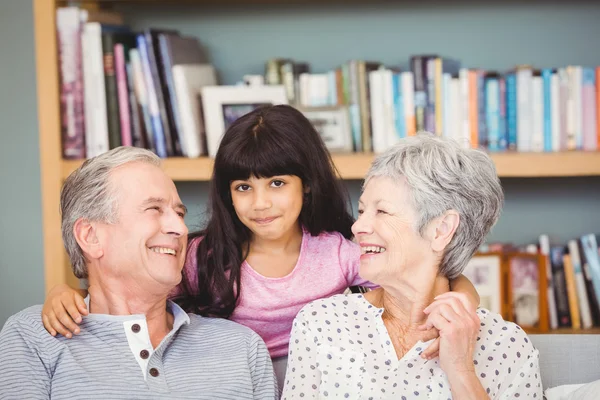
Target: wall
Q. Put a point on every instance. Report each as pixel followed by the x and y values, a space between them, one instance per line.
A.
pixel 21 256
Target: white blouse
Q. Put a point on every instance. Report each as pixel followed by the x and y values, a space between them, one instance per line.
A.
pixel 340 349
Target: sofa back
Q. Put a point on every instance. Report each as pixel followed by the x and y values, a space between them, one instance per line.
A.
pixel 568 359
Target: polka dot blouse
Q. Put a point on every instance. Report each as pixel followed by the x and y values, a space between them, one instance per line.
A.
pixel 340 349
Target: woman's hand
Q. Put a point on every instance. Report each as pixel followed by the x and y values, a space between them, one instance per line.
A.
pixel 458 325
pixel 62 311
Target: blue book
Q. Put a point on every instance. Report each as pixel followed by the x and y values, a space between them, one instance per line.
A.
pixel 155 117
pixel 492 112
pixel 399 118
pixel 511 110
pixel 546 80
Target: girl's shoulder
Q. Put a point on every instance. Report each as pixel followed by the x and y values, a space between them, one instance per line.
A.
pixel 329 239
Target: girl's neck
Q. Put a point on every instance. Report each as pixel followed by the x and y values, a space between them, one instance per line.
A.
pixel 289 242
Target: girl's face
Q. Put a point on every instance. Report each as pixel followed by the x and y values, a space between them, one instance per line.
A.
pixel 269 207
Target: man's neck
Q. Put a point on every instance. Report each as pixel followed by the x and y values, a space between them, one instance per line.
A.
pixel 113 297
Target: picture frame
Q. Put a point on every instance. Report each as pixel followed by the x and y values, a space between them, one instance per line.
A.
pixel 333 125
pixel 222 105
pixel 485 271
pixel 527 290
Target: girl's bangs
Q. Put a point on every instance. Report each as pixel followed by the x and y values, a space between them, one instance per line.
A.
pixel 262 158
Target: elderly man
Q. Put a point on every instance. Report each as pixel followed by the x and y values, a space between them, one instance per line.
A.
pixel 123 228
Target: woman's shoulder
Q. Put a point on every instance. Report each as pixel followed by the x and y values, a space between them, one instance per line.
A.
pixel 339 309
pixel 495 332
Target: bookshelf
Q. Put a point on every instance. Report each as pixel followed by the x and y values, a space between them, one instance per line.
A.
pixel 355 166
pixel 351 166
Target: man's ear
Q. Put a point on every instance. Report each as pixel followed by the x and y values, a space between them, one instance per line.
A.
pixel 445 228
pixel 85 234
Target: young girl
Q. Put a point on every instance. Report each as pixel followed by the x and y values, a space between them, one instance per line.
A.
pixel 279 234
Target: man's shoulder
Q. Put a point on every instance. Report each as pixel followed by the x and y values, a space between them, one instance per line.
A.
pixel 29 318
pixel 200 326
pixel 26 325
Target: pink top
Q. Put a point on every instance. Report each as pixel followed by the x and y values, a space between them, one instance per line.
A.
pixel 327 265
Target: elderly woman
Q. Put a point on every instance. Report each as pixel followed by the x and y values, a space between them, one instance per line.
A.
pixel 426 207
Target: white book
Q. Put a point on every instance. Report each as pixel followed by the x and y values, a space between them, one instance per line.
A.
pixel 378 130
pixel 537 114
pixel 445 128
pixel 454 124
pixel 545 250
pixel 96 120
pixel 465 127
pixel 571 113
pixel 555 111
pixel 578 106
pixel 391 134
pixel 141 93
pixel 524 109
pixel 189 79
pixel 408 96
pixel 584 304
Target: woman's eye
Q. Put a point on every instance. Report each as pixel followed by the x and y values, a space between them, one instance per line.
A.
pixel 381 212
pixel 361 212
pixel 277 183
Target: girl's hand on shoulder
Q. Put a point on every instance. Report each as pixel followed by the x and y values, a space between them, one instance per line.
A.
pixel 458 324
pixel 62 311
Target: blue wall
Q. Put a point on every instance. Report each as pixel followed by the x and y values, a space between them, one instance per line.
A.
pixel 21 253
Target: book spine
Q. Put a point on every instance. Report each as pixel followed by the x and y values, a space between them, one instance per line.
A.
pixel 158 139
pixel 72 118
pixel 511 110
pixel 492 107
pixel 547 89
pixel 123 95
pixel 110 83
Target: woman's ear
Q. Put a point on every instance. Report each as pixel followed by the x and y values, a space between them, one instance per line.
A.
pixel 85 234
pixel 445 228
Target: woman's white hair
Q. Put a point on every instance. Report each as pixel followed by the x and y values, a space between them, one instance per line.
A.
pixel 88 194
pixel 442 175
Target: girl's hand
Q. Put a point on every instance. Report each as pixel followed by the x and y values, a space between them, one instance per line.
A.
pixel 458 325
pixel 62 311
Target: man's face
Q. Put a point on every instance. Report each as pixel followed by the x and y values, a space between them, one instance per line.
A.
pixel 146 246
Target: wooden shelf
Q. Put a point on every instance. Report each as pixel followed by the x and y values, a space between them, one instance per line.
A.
pixel 567 331
pixel 355 166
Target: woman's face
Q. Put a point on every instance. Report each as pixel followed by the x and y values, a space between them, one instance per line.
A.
pixel 269 207
pixel 391 248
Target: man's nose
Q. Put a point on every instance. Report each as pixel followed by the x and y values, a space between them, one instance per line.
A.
pixel 175 225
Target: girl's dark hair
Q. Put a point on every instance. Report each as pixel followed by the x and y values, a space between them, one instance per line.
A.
pixel 269 141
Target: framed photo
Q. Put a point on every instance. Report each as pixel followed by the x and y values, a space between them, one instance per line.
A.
pixel 527 290
pixel 333 124
pixel 485 270
pixel 222 105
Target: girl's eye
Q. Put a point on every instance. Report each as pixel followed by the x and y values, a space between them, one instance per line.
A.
pixel 242 188
pixel 277 183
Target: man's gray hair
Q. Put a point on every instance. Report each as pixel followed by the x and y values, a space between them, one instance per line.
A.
pixel 88 194
pixel 442 175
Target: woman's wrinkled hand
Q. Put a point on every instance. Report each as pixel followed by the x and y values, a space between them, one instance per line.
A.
pixel 63 310
pixel 458 324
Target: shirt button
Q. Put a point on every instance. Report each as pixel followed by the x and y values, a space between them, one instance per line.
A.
pixel 135 328
pixel 144 354
pixel 154 372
